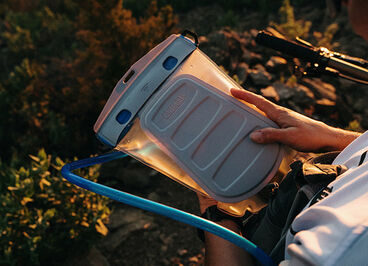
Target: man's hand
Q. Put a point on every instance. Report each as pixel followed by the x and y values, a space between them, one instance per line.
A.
pixel 297 131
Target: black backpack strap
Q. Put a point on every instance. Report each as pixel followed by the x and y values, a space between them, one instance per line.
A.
pixel 316 173
pixel 268 229
pixel 265 228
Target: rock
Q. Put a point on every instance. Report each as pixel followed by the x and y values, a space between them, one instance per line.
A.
pixel 117 218
pixel 247 38
pixel 253 32
pixel 227 39
pixel 236 48
pixel 246 56
pixel 303 95
pixel 138 177
pixel 251 57
pixel 235 42
pixel 359 104
pixel 115 168
pixel 255 58
pixel 166 240
pixel 325 106
pixel 325 102
pixel 193 259
pixel 345 112
pixel 123 216
pixel 320 89
pixel 226 47
pixel 203 41
pixel 165 262
pixel 130 172
pixel 364 122
pixel 270 93
pixel 242 72
pixel 259 67
pixel 276 63
pixel 218 39
pixel 124 221
pixel 299 94
pixel 175 261
pixel 93 258
pixel 154 196
pixel 164 248
pixel 346 84
pixel 291 105
pixel 259 76
pixel 218 55
pixel 182 252
pixel 284 92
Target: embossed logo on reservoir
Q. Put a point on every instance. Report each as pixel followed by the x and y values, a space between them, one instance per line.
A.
pixel 175 105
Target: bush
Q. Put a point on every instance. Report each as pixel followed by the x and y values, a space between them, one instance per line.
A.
pixel 325 39
pixel 60 61
pixel 288 25
pixel 138 7
pixel 44 217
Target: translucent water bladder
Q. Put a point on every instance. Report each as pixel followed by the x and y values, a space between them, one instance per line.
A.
pixel 180 119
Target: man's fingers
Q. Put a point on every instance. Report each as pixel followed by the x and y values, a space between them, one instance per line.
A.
pixel 273 111
pixel 269 135
pixel 261 103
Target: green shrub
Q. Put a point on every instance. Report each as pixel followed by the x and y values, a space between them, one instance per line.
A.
pixel 60 61
pixel 43 216
pixel 354 126
pixel 325 39
pixel 288 25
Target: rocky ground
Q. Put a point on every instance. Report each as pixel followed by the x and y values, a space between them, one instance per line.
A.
pixel 140 238
pixel 137 237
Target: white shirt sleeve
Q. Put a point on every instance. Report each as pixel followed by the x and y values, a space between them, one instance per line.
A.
pixel 334 230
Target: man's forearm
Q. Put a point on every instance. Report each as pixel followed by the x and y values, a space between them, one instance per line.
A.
pixel 221 252
pixel 339 139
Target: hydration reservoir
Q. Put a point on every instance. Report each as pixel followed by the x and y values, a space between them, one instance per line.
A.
pixel 173 111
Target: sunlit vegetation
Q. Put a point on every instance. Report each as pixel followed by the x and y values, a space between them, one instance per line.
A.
pixel 59 62
pixel 43 217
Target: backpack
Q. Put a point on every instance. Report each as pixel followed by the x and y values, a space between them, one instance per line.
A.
pixel 305 182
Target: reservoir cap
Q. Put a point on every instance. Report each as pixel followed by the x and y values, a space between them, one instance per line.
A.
pixel 123 116
pixel 170 63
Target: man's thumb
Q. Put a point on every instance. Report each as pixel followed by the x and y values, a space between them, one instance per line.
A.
pixel 266 135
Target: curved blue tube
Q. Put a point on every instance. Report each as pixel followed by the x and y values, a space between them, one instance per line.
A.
pixel 155 207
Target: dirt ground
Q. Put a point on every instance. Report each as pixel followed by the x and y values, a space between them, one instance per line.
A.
pixel 161 241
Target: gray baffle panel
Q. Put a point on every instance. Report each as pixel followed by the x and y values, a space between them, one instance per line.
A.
pixel 207 133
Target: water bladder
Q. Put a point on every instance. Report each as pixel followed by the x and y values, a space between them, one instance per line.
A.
pixel 173 111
